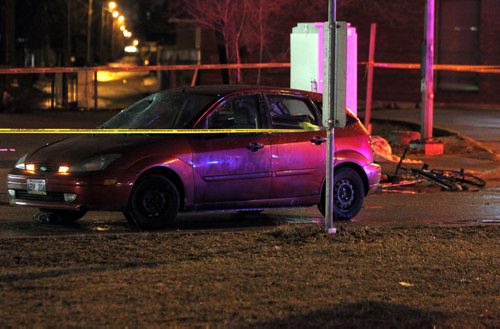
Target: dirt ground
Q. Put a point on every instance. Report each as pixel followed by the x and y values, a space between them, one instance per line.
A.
pixel 291 276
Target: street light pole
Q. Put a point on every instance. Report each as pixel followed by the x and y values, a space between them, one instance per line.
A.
pixel 106 31
pixel 89 33
pixel 102 35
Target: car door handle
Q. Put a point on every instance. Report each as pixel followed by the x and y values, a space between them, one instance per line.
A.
pixel 318 140
pixel 255 146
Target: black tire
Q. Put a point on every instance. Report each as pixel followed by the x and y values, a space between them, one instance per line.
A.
pixel 154 203
pixel 349 194
pixel 57 216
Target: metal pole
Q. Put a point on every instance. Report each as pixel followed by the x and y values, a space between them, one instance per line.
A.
pixel 369 78
pixel 52 91
pixel 112 50
pixel 427 82
pixel 101 36
pixel 330 133
pixel 95 90
pixel 89 33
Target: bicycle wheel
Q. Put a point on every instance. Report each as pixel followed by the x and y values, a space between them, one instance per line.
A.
pixel 435 178
pixel 460 177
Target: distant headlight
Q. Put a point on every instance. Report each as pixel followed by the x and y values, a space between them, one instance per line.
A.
pixel 95 163
pixel 20 164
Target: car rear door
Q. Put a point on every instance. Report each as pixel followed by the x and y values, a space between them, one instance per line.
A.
pixel 232 167
pixel 298 159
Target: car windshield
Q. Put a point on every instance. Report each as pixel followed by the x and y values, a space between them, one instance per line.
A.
pixel 161 111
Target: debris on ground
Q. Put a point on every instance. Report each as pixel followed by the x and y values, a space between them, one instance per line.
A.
pixel 382 152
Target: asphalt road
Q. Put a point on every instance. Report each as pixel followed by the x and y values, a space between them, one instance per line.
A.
pixel 427 207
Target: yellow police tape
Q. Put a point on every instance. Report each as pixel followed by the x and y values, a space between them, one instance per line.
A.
pixel 103 131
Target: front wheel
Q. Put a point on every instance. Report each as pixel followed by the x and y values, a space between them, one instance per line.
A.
pixel 348 194
pixel 154 203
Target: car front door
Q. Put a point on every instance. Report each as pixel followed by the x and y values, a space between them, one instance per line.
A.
pixel 235 167
pixel 298 159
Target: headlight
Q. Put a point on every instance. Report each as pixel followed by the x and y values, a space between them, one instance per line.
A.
pixel 97 163
pixel 20 164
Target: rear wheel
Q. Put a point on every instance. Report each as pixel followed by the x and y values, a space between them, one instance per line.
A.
pixel 348 194
pixel 154 203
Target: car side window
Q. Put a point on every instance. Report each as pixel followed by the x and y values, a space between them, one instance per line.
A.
pixel 241 112
pixel 350 120
pixel 291 113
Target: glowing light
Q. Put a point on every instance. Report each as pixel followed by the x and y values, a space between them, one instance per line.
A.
pixel 146 62
pixel 127 34
pixel 30 167
pixel 131 49
pixel 122 28
pixel 135 42
pixel 112 5
pixel 103 76
pixel 63 170
pixel 116 14
pixel 121 19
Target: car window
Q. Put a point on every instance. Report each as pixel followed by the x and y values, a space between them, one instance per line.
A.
pixel 241 112
pixel 350 119
pixel 291 113
pixel 161 111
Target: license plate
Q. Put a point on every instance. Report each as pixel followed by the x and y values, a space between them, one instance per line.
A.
pixel 36 186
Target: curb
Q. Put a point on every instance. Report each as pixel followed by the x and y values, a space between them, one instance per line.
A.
pixel 446 131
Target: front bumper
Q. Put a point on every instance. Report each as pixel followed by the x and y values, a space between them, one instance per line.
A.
pixel 88 191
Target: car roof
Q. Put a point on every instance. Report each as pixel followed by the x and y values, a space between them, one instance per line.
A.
pixel 223 90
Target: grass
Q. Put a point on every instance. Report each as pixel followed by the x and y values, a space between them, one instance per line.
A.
pixel 291 276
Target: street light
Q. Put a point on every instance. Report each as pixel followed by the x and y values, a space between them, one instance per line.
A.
pixel 107 31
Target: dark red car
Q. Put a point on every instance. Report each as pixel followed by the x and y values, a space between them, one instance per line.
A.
pixel 153 177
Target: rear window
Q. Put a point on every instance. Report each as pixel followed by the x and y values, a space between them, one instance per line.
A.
pixel 291 113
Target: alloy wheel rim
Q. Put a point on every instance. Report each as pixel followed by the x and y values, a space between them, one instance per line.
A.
pixel 344 193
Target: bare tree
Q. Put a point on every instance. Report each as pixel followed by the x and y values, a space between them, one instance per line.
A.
pixel 262 28
pixel 267 35
pixel 226 17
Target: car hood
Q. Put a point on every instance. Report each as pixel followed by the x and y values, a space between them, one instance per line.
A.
pixel 75 149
